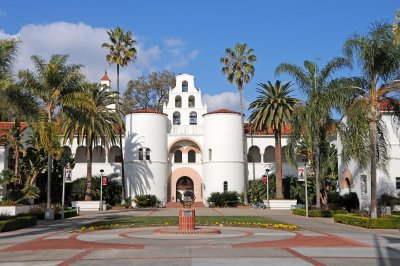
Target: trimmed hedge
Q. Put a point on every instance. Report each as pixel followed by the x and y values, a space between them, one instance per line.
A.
pixel 146 201
pixel 57 216
pixel 392 222
pixel 317 213
pixel 17 222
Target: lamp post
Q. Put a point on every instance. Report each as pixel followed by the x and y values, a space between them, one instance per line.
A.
pixel 266 173
pixel 306 191
pixel 101 189
pixel 63 194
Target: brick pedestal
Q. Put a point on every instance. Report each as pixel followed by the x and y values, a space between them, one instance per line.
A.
pixel 186 220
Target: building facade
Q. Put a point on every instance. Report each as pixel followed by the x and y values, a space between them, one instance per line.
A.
pixel 183 151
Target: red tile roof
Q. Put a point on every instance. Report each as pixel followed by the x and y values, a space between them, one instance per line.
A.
pixel 145 111
pixel 285 131
pixel 105 77
pixel 222 111
pixel 388 105
pixel 4 126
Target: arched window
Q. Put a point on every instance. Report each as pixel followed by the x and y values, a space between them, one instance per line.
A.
pixel 193 118
pixel 178 101
pixel 80 155
pixel 254 155
pixel 185 86
pixel 269 154
pixel 284 160
pixel 148 154
pixel 225 186
pixel 176 118
pixel 141 154
pixel 191 156
pixel 99 155
pixel 210 155
pixel 192 101
pixel 67 151
pixel 114 155
pixel 11 159
pixel 177 156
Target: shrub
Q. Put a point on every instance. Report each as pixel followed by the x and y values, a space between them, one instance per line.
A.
pixel 388 200
pixel 317 213
pixel 225 199
pixel 376 223
pixel 8 203
pixel 67 214
pixel 146 201
pixel 17 222
pixel 350 201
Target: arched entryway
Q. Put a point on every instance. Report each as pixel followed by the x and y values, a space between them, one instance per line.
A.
pixel 184 188
pixel 175 180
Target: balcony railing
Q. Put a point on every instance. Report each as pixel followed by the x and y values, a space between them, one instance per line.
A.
pixel 186 130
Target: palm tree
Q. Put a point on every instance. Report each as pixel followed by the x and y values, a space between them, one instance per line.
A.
pixel 238 67
pixel 273 109
pixel 52 86
pixel 323 95
pixel 93 122
pixel 8 49
pixel 122 51
pixel 379 58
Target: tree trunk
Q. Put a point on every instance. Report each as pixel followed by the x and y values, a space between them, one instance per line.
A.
pixel 317 151
pixel 278 161
pixel 244 149
pixel 123 193
pixel 88 193
pixel 373 144
pixel 49 170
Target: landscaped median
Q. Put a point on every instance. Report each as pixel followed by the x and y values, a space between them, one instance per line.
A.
pixel 389 222
pixel 231 221
pixel 318 213
pixel 16 222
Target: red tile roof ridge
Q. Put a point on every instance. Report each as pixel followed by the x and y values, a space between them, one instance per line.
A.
pixel 222 111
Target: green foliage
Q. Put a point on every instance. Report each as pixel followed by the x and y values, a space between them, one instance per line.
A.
pixel 8 203
pixel 350 201
pixel 111 192
pixel 317 213
pixel 146 201
pixel 392 222
pixel 148 92
pixel 224 199
pixel 39 213
pixel 17 222
pixel 389 200
pixel 31 192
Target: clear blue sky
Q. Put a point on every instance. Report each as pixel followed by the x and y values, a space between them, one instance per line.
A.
pixel 191 36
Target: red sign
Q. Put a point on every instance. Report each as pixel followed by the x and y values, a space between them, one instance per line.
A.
pixel 264 179
pixel 104 181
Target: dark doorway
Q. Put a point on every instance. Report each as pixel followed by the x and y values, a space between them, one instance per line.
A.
pixel 184 189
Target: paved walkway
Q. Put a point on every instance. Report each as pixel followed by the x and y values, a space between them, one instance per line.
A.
pixel 320 242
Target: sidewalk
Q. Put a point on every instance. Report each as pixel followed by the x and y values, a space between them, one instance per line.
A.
pixel 319 242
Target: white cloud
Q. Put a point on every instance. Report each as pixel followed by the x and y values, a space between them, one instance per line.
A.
pixel 194 54
pixel 224 100
pixel 83 43
pixel 174 42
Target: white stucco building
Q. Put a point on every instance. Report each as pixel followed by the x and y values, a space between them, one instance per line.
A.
pixel 184 149
pixel 353 179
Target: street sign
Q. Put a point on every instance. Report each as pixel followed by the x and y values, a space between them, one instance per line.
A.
pixel 104 180
pixel 68 174
pixel 264 179
pixel 301 173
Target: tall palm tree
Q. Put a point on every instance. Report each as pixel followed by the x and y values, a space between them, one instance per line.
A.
pixel 8 49
pixel 52 86
pixel 122 51
pixel 94 122
pixel 322 96
pixel 273 109
pixel 238 67
pixel 379 58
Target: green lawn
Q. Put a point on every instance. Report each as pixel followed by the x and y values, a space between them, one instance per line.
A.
pixel 135 221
